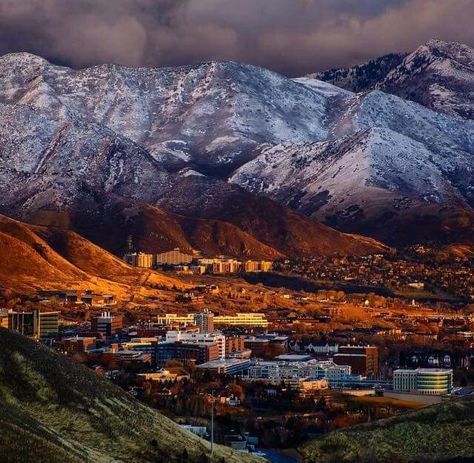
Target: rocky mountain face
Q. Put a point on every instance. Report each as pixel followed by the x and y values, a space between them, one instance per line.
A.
pixel 391 158
pixel 182 156
pixel 98 149
pixel 438 75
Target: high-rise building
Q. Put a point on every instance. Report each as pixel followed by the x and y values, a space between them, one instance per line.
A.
pixel 34 324
pixel 205 321
pixel 234 344
pixel 139 259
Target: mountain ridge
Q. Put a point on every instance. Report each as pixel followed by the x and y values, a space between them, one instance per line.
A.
pixel 72 138
pixel 439 75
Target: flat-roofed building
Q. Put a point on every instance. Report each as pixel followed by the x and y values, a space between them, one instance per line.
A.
pixel 234 344
pixel 172 318
pixel 248 319
pixel 186 351
pixel 205 321
pixel 427 381
pixel 174 257
pixel 199 338
pixel 258 346
pixel 282 371
pixel 139 259
pixel 231 366
pixel 78 344
pixel 107 324
pixel 364 360
pixel 250 266
pixel 34 324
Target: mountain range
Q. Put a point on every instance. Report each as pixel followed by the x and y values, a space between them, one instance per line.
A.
pixel 235 159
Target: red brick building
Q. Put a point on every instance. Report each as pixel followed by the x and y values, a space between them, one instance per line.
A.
pixel 363 360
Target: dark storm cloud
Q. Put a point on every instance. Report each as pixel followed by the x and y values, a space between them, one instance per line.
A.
pixel 290 36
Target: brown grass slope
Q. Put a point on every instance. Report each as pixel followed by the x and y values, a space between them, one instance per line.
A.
pixel 153 230
pixel 33 257
pixel 439 433
pixel 281 228
pixel 215 237
pixel 52 410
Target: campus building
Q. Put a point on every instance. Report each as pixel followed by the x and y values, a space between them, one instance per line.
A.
pixel 186 352
pixel 364 360
pixel 204 321
pixel 426 381
pixel 107 324
pixel 35 324
pixel 253 320
pixel 201 339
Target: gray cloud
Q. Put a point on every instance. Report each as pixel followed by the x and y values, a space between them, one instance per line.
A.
pixel 291 36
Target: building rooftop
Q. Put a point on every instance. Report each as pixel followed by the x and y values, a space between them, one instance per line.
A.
pixel 294 357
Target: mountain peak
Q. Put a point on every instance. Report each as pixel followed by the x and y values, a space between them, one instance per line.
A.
pixel 438 74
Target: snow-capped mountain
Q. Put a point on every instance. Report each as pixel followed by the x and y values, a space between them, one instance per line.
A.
pixel 210 115
pixel 384 156
pixel 188 139
pixel 438 75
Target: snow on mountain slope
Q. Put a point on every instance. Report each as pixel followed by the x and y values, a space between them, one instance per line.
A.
pixel 168 136
pixel 384 155
pixel 54 163
pixel 211 114
pixel 439 75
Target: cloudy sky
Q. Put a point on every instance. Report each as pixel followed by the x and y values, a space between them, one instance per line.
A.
pixel 290 36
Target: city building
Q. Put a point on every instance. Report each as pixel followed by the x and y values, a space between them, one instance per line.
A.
pixel 245 320
pixel 249 319
pixel 258 346
pixel 427 381
pixel 172 318
pixel 201 339
pixel 78 344
pixel 276 372
pixel 174 257
pixel 143 345
pixel 232 366
pixel 205 321
pixel 35 324
pixel 139 259
pixel 234 344
pixel 107 324
pixel 257 266
pixel 364 360
pixel 186 352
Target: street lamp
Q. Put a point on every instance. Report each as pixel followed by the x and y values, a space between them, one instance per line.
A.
pixel 213 401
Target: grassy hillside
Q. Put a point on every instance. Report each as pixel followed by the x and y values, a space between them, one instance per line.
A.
pixel 443 432
pixel 52 410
